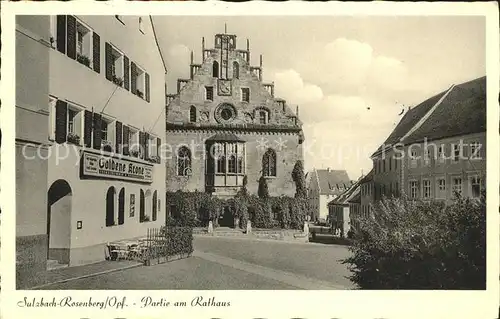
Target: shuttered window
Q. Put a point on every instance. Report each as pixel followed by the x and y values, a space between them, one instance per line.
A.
pixel 78 41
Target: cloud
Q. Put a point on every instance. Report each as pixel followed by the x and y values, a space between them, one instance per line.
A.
pixel 289 85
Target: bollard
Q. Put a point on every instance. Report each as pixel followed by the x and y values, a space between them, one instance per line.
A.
pixel 249 227
pixel 210 227
pixel 306 228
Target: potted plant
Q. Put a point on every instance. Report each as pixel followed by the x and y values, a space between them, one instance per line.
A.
pixel 117 80
pixel 83 59
pixel 73 138
pixel 154 159
pixel 145 218
pixel 140 94
pixel 106 146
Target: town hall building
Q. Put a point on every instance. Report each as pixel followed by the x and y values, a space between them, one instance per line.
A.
pixel 225 123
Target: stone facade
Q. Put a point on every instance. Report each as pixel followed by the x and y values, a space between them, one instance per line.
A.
pixel 226 108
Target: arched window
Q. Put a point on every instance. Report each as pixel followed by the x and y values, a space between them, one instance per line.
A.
pixel 269 163
pixel 192 114
pixel 183 161
pixel 142 208
pixel 232 164
pixel 236 70
pixel 110 207
pixel 155 205
pixel 121 207
pixel 215 69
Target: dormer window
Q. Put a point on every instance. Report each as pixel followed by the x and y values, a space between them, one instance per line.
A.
pixel 263 116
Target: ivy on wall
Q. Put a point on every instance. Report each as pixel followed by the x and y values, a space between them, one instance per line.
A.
pixel 198 208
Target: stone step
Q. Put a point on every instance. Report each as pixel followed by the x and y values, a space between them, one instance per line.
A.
pixel 54 264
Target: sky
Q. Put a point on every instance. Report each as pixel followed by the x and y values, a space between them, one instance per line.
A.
pixel 351 76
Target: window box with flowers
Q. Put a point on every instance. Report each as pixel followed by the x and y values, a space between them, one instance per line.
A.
pixel 135 152
pixel 107 146
pixel 154 159
pixel 73 138
pixel 144 218
pixel 117 80
pixel 83 59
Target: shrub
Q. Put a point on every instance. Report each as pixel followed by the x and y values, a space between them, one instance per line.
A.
pixel 263 190
pixel 417 245
pixel 179 239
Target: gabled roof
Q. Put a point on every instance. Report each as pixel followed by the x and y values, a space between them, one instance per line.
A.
pixel 329 181
pixel 367 178
pixel 348 195
pixel 451 110
pixel 409 120
pixel 462 112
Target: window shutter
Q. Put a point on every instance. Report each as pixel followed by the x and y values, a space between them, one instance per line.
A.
pixel 147 88
pixel 97 131
pixel 126 73
pixel 133 76
pixel 146 146
pixel 107 60
pixel 61 34
pixel 96 55
pixel 87 130
pixel 118 136
pixel 141 144
pixel 71 36
pixel 61 121
pixel 126 140
pixel 158 149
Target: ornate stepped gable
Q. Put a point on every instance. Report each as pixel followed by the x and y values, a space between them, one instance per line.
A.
pixel 229 79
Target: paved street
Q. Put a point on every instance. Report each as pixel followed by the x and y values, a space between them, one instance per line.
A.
pixel 234 263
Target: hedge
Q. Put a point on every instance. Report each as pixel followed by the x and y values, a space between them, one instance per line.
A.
pixel 417 245
pixel 196 209
pixel 179 237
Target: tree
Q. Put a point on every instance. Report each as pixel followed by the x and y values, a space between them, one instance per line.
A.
pixel 263 190
pixel 299 179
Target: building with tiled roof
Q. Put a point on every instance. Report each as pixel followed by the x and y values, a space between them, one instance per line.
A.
pixel 342 208
pixel 438 148
pixel 325 185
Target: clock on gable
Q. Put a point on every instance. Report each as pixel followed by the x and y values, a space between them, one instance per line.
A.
pixel 224 87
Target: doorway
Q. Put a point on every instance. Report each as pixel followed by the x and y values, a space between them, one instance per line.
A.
pixel 59 207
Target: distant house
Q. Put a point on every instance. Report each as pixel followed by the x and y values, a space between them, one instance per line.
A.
pixel 323 186
pixel 438 148
pixel 343 207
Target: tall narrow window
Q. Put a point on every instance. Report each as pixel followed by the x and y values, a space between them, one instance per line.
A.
pixel 245 94
pixel 183 161
pixel 457 185
pixel 475 184
pixel 236 70
pixel 440 188
pixel 475 148
pixel 456 152
pixel 121 207
pixel 209 93
pixel 142 207
pixel 263 117
pixel 427 188
pixel 427 159
pixel 192 114
pixel 232 164
pixel 110 207
pixel 269 163
pixel 155 206
pixel 215 69
pixel 413 189
pixel 440 155
pixel 413 159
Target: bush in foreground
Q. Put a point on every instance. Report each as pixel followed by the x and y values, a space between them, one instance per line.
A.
pixel 417 245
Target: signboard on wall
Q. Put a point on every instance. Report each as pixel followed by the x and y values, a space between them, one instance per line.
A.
pixel 100 166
